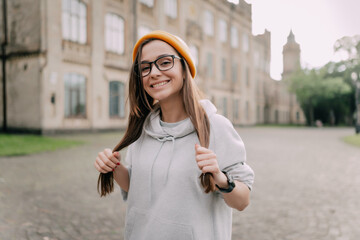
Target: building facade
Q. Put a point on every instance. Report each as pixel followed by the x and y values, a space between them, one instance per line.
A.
pixel 68 61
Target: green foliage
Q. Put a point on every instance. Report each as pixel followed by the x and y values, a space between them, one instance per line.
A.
pixel 328 93
pixel 317 91
pixel 12 145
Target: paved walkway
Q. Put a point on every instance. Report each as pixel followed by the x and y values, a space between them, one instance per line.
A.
pixel 306 187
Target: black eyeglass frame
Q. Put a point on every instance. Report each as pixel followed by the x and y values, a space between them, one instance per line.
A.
pixel 157 66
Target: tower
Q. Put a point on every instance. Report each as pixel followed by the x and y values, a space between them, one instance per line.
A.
pixel 291 56
pixel 291 63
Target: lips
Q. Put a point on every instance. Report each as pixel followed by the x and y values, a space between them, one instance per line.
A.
pixel 159 84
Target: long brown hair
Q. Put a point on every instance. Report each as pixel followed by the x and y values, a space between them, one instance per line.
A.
pixel 141 104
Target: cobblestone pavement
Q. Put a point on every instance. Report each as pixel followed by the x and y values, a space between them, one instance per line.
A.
pixel 307 186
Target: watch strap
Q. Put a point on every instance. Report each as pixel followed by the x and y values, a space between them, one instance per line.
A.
pixel 230 183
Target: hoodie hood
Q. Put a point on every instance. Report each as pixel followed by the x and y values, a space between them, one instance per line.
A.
pixel 153 128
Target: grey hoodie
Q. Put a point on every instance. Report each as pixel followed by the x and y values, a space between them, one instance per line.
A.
pixel 166 200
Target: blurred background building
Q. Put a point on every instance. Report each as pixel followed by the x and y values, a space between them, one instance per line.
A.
pixel 67 61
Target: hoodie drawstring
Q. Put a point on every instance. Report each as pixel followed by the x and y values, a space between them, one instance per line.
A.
pixel 162 140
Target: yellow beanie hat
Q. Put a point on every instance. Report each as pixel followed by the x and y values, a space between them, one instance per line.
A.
pixel 174 41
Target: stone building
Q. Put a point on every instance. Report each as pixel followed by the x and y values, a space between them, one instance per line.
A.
pixel 67 61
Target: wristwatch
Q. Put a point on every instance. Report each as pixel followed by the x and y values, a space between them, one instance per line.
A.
pixel 230 181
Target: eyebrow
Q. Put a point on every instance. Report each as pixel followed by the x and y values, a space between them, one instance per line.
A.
pixel 162 55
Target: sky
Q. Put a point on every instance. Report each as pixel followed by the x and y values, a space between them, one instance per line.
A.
pixel 316 24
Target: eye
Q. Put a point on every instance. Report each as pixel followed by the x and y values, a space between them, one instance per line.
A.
pixel 145 68
pixel 164 62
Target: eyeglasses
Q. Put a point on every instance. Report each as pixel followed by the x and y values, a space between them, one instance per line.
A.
pixel 163 63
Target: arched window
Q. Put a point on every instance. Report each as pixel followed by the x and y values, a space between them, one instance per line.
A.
pixel 149 3
pixel 236 108
pixel 208 23
pixel 117 99
pixel 74 26
pixel 75 95
pixel 114 33
pixel 234 37
pixel 143 30
pixel 225 107
pixel 195 53
pixel 245 42
pixel 222 30
pixel 171 8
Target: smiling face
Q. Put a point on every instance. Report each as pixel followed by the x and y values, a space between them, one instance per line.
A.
pixel 162 85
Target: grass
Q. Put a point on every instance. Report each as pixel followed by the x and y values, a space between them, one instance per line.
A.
pixel 353 140
pixel 15 145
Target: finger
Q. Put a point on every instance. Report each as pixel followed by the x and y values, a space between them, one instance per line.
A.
pixel 211 162
pixel 105 161
pixel 210 169
pixel 110 155
pixel 98 164
pixel 99 168
pixel 103 166
pixel 205 156
pixel 200 150
pixel 117 157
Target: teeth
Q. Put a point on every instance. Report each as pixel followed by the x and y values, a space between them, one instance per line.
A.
pixel 159 84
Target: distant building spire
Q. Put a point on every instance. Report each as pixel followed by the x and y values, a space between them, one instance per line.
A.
pixel 291 55
pixel 291 37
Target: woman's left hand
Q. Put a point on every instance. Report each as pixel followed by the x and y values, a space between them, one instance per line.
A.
pixel 207 163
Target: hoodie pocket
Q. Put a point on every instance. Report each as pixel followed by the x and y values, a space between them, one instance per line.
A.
pixel 141 225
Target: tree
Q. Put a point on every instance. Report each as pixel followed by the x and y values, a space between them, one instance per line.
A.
pixel 320 95
pixel 350 47
pixel 328 93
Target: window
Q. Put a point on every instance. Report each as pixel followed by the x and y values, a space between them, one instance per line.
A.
pixel 114 33
pixel 247 75
pixel 234 73
pixel 74 21
pixel 195 54
pixel 225 107
pixel 236 108
pixel 75 95
pixel 209 65
pixel 149 3
pixel 222 30
pixel 142 30
pixel 247 110
pixel 257 59
pixel 171 8
pixel 234 37
pixel 245 42
pixel 223 69
pixel 258 85
pixel 243 74
pixel 117 99
pixel 208 23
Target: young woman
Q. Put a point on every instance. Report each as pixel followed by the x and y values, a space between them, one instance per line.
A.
pixel 186 163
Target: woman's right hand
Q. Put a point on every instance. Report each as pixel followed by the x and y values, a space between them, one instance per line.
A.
pixel 107 161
